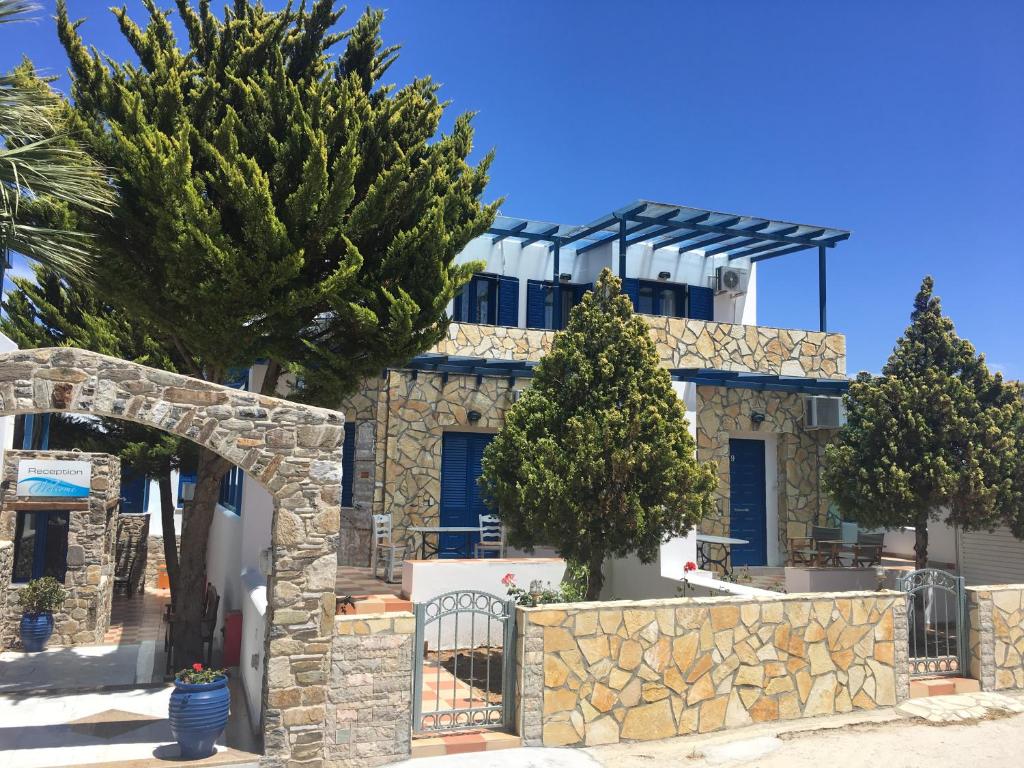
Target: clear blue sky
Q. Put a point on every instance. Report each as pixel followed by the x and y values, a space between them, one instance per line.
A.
pixel 899 121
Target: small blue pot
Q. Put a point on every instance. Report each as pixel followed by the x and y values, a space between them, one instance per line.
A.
pixel 36 629
pixel 198 714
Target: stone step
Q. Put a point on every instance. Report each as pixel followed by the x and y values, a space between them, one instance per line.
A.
pixel 942 686
pixel 457 743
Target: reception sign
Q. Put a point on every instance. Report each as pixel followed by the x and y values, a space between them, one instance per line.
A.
pixel 52 478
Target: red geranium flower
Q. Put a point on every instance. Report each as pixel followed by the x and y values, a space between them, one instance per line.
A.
pixel 690 566
pixel 508 579
pixel 197 667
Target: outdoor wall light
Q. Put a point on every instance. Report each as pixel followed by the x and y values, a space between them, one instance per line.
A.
pixel 663 275
pixel 188 491
pixel 757 418
pixel 474 416
pixel 565 277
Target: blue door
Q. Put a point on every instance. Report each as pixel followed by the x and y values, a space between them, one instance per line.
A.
pixel 461 502
pixel 748 514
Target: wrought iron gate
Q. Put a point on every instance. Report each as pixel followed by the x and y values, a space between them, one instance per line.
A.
pixel 462 662
pixel 937 622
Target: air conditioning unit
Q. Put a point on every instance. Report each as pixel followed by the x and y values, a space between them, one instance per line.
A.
pixel 516 394
pixel 821 412
pixel 731 280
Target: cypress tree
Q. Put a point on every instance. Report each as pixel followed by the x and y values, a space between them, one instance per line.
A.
pixel 277 202
pixel 933 437
pixel 596 457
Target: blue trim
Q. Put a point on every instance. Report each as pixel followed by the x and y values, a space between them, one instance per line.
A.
pixel 508 301
pixel 348 463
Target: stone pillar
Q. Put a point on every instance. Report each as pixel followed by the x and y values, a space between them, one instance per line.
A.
pixel 529 662
pixel 6 564
pixel 980 642
pixel 370 697
pixel 901 651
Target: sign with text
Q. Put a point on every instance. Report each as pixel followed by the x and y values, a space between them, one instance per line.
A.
pixel 53 478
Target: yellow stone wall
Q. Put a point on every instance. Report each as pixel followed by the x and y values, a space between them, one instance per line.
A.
pixel 600 673
pixel 681 343
pixel 996 635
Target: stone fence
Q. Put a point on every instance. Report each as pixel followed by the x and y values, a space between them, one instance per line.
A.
pixel 6 567
pixel 131 552
pixel 996 636
pixel 599 673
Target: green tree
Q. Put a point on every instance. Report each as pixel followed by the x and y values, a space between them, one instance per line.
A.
pixel 931 438
pixel 47 311
pixel 41 165
pixel 278 202
pixel 596 458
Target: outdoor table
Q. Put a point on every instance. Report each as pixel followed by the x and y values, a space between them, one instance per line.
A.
pixel 703 539
pixel 831 556
pixel 438 530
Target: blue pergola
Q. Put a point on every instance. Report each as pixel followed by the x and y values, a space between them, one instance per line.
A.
pixel 679 226
pixel 464 365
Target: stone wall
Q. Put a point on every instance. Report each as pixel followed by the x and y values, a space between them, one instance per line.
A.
pixel 89 579
pixel 370 695
pixel 681 343
pixel 996 636
pixel 294 450
pixel 722 412
pixel 132 550
pixel 6 564
pixel 155 559
pixel 600 673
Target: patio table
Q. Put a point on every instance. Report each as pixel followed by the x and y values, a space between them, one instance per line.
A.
pixel 829 551
pixel 703 539
pixel 438 530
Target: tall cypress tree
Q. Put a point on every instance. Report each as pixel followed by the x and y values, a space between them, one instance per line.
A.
pixel 936 436
pixel 277 202
pixel 596 457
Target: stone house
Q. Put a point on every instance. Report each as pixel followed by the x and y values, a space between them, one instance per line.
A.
pixel 415 433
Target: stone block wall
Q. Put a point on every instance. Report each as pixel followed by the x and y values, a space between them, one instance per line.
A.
pixel 600 673
pixel 681 343
pixel 369 706
pixel 132 549
pixel 89 578
pixel 996 636
pixel 6 564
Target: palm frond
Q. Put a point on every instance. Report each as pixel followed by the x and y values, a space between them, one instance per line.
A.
pixel 15 10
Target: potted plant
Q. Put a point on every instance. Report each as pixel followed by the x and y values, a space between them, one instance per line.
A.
pixel 199 709
pixel 38 599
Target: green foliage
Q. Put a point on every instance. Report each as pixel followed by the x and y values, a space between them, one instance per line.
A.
pixel 197 674
pixel 43 595
pixel 935 436
pixel 278 201
pixel 596 458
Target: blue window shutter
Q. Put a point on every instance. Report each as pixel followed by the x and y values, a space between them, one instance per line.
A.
pixel 536 292
pixel 631 287
pixel 348 463
pixel 457 304
pixel 133 493
pixel 702 303
pixel 508 301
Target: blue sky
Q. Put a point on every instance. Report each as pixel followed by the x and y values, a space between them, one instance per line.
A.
pixel 899 121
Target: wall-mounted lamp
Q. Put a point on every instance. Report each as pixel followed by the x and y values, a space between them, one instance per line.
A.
pixel 188 491
pixel 474 416
pixel 663 275
pixel 565 277
pixel 757 418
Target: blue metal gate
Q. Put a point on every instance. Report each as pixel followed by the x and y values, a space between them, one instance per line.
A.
pixel 748 507
pixel 462 662
pixel 936 619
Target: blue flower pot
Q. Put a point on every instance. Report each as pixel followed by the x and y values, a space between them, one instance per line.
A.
pixel 36 629
pixel 198 713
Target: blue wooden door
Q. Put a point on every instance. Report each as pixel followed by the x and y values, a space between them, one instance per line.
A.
pixel 461 501
pixel 747 505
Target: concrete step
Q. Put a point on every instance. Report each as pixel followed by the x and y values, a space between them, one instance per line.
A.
pixel 942 686
pixel 457 743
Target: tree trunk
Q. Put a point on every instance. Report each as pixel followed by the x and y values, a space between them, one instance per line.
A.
pixel 595 578
pixel 921 540
pixel 170 539
pixel 197 518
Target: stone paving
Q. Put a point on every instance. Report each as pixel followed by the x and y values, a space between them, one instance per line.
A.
pixel 961 707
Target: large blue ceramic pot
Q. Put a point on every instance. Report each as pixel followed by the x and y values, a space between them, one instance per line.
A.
pixel 198 713
pixel 36 629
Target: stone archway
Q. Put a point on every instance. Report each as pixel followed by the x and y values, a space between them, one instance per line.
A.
pixel 294 450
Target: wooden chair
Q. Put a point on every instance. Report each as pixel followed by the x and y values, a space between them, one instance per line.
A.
pixel 867 552
pixel 385 551
pixel 492 537
pixel 807 550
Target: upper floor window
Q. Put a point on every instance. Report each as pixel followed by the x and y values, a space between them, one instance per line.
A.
pixel 548 304
pixel 40 546
pixel 653 297
pixel 489 300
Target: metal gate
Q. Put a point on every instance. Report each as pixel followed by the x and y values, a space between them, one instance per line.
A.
pixel 462 662
pixel 937 622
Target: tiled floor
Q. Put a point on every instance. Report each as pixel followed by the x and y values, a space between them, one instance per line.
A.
pixel 371 595
pixel 137 618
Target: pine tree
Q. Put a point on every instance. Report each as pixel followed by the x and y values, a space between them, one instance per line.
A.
pixel 931 438
pixel 277 202
pixel 596 457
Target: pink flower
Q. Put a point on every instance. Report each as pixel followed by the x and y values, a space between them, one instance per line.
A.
pixel 508 579
pixel 197 667
pixel 690 566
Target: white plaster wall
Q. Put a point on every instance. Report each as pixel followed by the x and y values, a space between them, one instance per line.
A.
pixel 252 660
pixel 257 516
pixel 223 563
pixel 941 543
